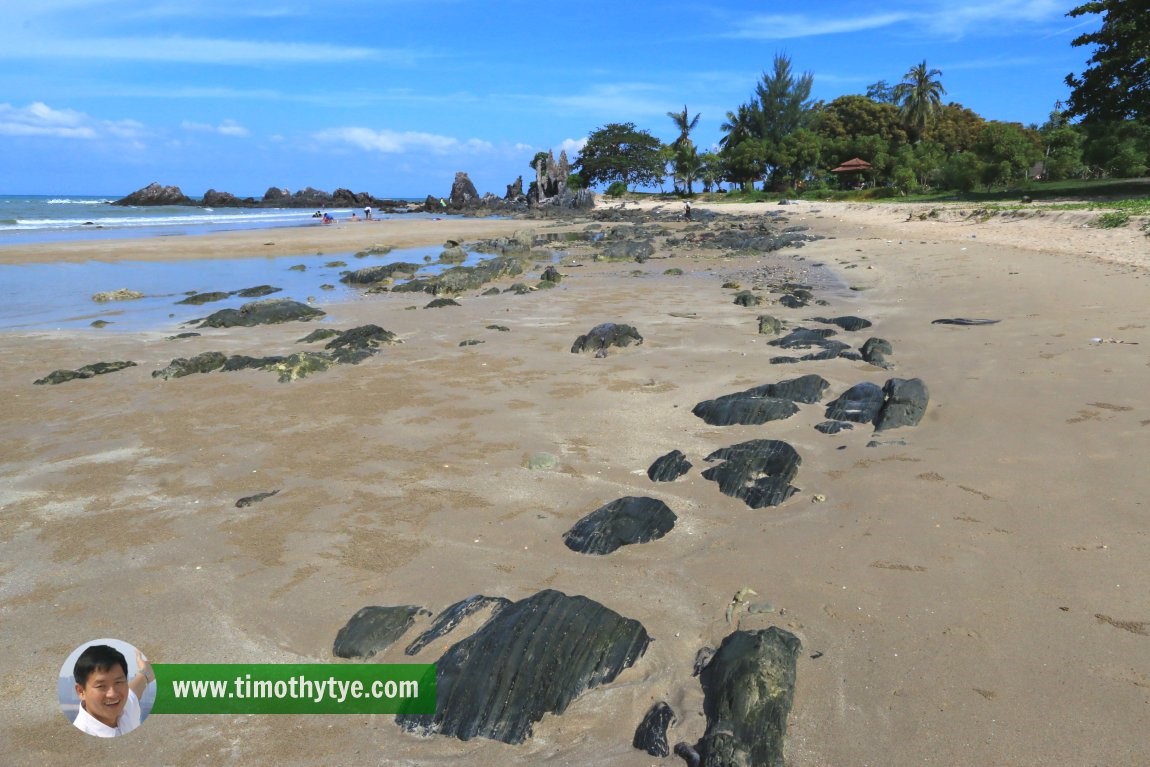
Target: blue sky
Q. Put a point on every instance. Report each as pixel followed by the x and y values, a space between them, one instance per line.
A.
pixel 392 98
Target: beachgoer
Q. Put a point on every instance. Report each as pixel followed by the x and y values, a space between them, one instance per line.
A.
pixel 353 218
pixel 109 701
pixel 327 218
pixel 687 212
pixel 367 213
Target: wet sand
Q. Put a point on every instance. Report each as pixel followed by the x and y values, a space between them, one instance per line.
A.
pixel 978 594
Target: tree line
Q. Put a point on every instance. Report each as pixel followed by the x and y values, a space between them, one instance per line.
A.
pixel 789 143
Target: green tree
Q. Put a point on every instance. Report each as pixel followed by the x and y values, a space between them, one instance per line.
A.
pixel 686 156
pixel 687 165
pixel 711 174
pixel 784 100
pixel 1116 84
pixel 1007 151
pixel 859 116
pixel 1062 147
pixel 684 125
pixel 957 128
pixel 919 97
pixel 1117 148
pixel 741 125
pixel 882 92
pixel 620 152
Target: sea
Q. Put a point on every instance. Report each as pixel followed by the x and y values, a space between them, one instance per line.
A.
pixel 58 296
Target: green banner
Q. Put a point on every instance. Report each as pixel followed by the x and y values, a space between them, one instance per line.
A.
pixel 309 688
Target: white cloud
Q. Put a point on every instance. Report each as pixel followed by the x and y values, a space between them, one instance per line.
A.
pixel 226 128
pixel 39 119
pixel 942 18
pixel 785 26
pixel 613 100
pixel 399 142
pixel 573 146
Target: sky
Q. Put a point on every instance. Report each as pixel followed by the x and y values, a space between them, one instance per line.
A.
pixel 394 97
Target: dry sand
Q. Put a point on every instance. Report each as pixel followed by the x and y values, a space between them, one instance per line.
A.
pixel 979 595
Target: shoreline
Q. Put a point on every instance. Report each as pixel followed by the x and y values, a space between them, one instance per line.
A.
pixel 951 587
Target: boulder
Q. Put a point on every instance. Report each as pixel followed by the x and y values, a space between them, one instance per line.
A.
pixel 744 409
pixel 621 522
pixel 905 403
pixel 874 351
pixel 463 193
pixel 373 629
pixel 651 734
pixel 860 403
pixel 847 323
pixel 154 194
pixel 607 334
pixel 120 294
pixel 758 471
pixel 454 615
pixel 535 657
pixel 269 311
pixel 669 467
pixel 769 325
pixel 198 299
pixel 184 366
pixel 748 690
pixel 87 371
pixel 374 274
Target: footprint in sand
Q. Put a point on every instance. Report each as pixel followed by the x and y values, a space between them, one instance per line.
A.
pixel 1134 627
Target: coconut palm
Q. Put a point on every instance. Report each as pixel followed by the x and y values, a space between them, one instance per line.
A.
pixel 684 125
pixel 919 97
pixel 741 125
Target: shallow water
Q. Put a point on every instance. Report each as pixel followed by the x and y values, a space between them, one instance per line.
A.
pixel 58 296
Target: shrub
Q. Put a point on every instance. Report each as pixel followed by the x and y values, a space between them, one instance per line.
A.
pixel 1112 220
pixel 617 189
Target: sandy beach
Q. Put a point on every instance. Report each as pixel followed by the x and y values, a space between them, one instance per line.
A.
pixel 973 591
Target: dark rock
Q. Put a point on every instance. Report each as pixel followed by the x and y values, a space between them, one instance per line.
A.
pixel 551 274
pixel 500 328
pixel 319 334
pixel 874 351
pixel 373 629
pixel 608 334
pixel 214 199
pixel 439 303
pixel 355 345
pixel 463 193
pixel 906 401
pixel 452 616
pixel 250 499
pixel 154 194
pixel 373 274
pixel 244 362
pixel 267 312
pixel 792 302
pixel 807 389
pixel 769 325
pixel 181 336
pixel 860 403
pixel 964 321
pixel 259 291
pixel 803 338
pixel 197 299
pixel 748 689
pixel 183 366
pixel 301 365
pixel 651 734
pixel 470 342
pixel 833 427
pixel 688 754
pixel 744 409
pixel 669 467
pixel 747 298
pixel 848 323
pixel 460 278
pixel 453 255
pixel 535 657
pixel 758 472
pixel 626 250
pixel 87 371
pixel 621 522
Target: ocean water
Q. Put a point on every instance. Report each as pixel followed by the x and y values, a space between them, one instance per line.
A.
pixel 54 218
pixel 55 296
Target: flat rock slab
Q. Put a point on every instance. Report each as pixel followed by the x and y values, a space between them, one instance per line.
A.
pixel 452 616
pixel 848 322
pixel 758 405
pixel 622 522
pixel 608 334
pixel 964 321
pixel 758 472
pixel 270 311
pixel 860 404
pixel 87 371
pixel 669 467
pixel 748 690
pixel 535 657
pixel 373 629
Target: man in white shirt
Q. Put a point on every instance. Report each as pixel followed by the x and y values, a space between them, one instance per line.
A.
pixel 109 702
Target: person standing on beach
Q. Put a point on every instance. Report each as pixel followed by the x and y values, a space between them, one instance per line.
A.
pixel 109 702
pixel 367 213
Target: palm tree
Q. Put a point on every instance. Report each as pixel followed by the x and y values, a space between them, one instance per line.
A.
pixel 740 126
pixel 919 97
pixel 684 125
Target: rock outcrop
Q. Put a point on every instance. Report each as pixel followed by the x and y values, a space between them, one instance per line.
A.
pixel 155 194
